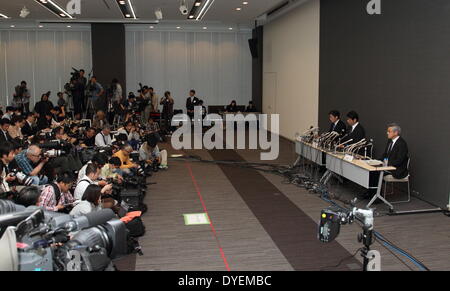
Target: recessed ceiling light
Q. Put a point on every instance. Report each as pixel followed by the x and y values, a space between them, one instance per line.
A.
pixel 204 27
pixel 12 26
pixel 231 28
pixel 68 26
pixel 245 3
pixel 178 27
pixel 41 26
pixel 152 27
pixel 239 9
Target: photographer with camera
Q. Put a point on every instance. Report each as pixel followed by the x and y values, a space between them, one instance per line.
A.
pixel 30 161
pixel 110 170
pixel 100 120
pixel 88 140
pixel 9 112
pixel 4 134
pixel 56 196
pixel 7 155
pixel 150 154
pixel 130 131
pixel 44 106
pixel 64 160
pixel 29 128
pixel 78 88
pixel 126 163
pixel 103 138
pixel 91 177
pixel 90 202
pixel 21 97
pixel 15 129
pixel 99 160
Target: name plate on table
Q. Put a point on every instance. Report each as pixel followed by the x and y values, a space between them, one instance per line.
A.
pixel 348 158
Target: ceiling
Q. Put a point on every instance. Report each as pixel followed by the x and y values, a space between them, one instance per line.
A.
pixel 222 11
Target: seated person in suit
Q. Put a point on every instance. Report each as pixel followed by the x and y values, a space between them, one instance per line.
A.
pixel 251 107
pixel 356 132
pixel 337 124
pixel 396 152
pixel 232 107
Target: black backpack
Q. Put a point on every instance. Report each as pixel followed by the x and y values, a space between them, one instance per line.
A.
pixel 136 227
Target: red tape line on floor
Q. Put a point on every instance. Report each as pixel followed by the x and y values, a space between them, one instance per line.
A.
pixel 197 188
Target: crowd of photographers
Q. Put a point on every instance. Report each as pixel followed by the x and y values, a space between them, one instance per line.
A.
pixel 50 160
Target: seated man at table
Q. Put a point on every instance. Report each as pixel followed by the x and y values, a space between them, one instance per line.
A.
pixel 396 152
pixel 356 132
pixel 337 124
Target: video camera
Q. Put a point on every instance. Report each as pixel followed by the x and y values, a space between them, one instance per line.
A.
pixel 35 240
pixel 75 75
pixel 333 217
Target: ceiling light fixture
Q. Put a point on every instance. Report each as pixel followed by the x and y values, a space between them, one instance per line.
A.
pixel 200 8
pixel 3 16
pixel 126 7
pixel 54 8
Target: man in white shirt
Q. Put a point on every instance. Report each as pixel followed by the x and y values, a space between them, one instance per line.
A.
pixel 92 174
pixel 103 138
pixel 99 160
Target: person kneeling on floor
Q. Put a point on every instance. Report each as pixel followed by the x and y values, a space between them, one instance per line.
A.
pixel 151 155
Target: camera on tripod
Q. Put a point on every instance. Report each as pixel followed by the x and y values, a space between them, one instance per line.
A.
pixel 333 217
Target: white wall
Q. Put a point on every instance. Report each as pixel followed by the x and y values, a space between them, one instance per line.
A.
pixel 291 68
pixel 43 58
pixel 217 64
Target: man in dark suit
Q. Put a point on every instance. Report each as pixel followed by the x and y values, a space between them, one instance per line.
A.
pixel 29 129
pixel 191 102
pixel 356 132
pixel 396 152
pixel 337 124
pixel 4 135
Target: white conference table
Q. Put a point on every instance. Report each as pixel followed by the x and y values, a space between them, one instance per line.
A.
pixel 355 170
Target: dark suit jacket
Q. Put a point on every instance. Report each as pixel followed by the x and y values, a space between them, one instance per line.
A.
pixel 339 128
pixel 5 139
pixel 397 157
pixel 27 130
pixel 357 134
pixel 191 104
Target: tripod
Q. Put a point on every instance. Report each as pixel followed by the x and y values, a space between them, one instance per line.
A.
pixel 371 258
pixel 89 106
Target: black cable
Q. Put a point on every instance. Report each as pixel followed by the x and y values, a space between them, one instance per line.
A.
pixel 341 261
pixel 313 186
pixel 395 255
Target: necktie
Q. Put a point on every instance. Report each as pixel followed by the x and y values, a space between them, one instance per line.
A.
pixel 390 147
